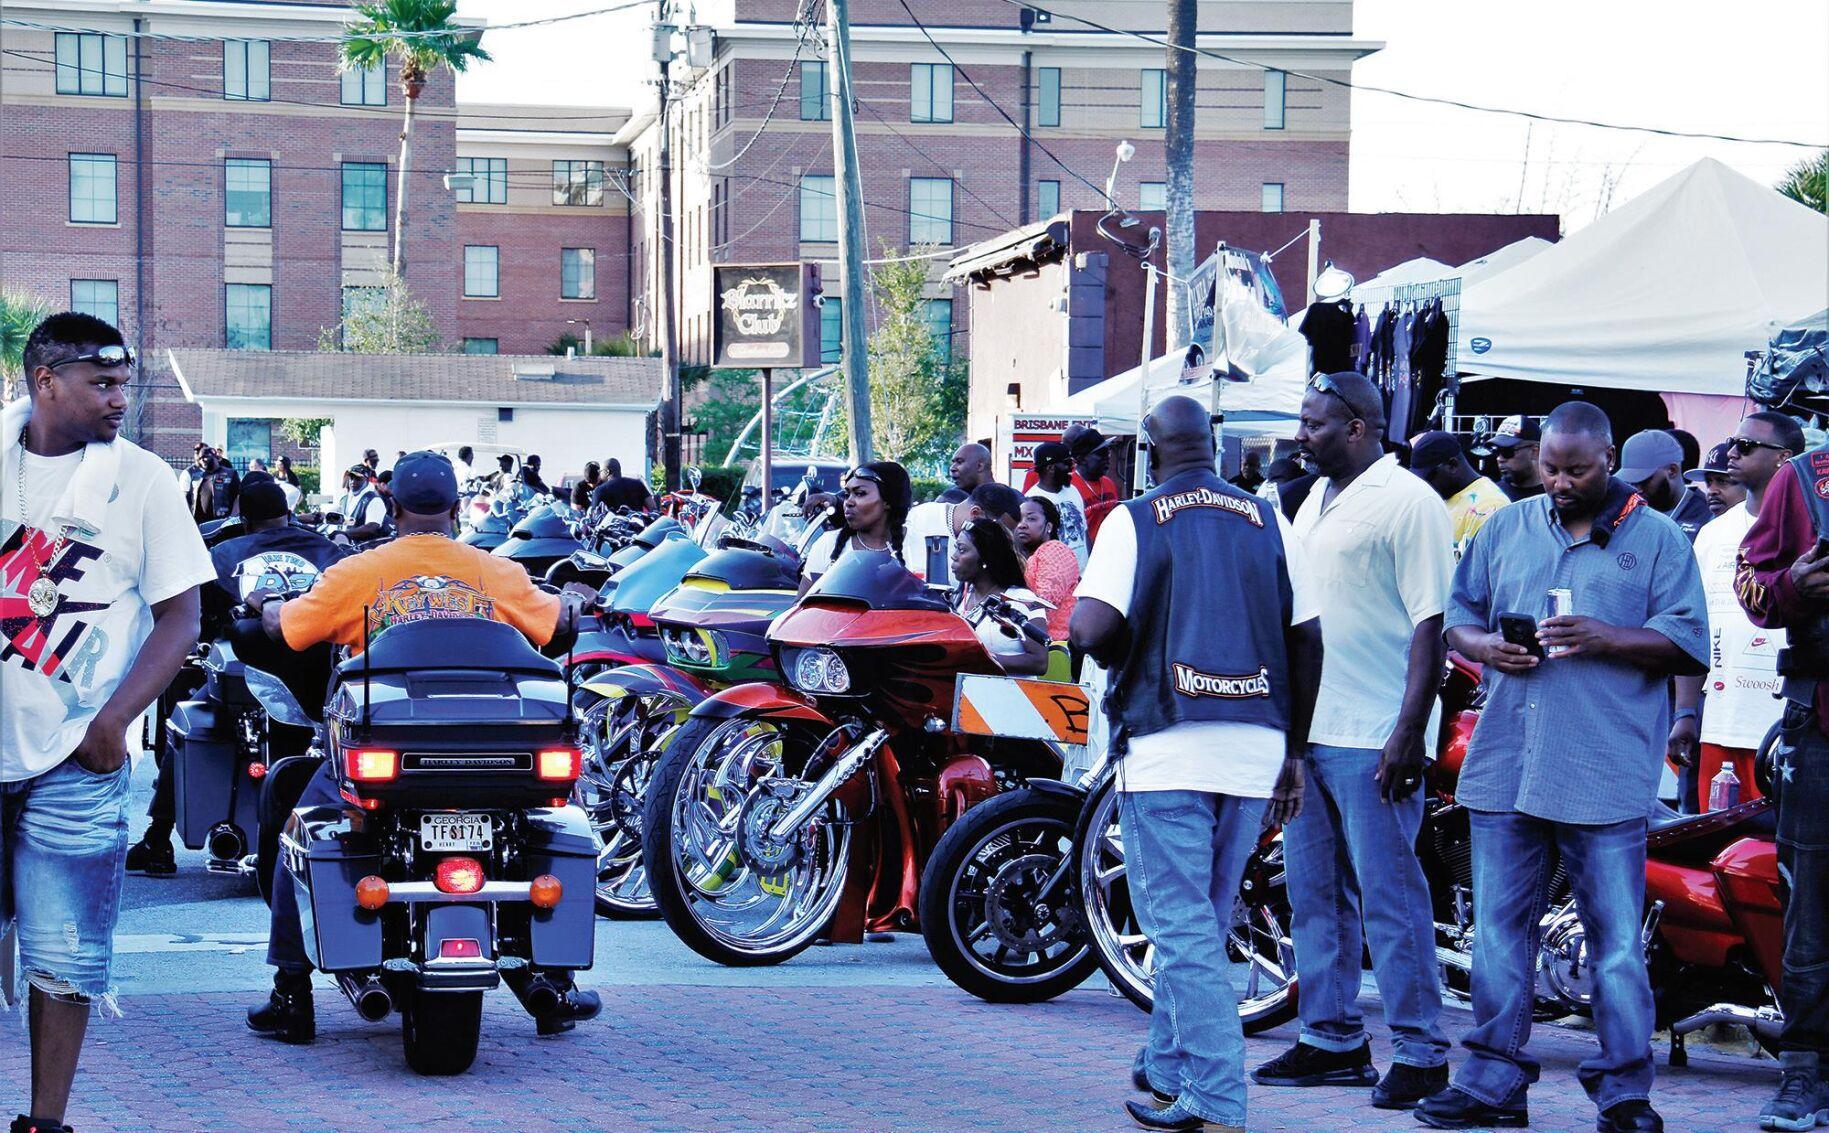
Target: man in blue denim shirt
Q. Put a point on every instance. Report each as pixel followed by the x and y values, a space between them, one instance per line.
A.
pixel 1566 758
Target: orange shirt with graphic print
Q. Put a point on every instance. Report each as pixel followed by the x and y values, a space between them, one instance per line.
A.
pixel 416 578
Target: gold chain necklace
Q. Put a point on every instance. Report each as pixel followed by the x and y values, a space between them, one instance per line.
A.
pixel 42 597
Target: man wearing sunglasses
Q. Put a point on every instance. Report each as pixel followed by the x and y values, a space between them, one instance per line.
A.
pixel 99 573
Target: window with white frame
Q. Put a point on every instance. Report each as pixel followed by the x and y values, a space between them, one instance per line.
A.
pixel 482 271
pixel 930 210
pixel 1273 196
pixel 831 329
pixel 364 196
pixel 249 316
pixel 577 182
pixel 577 273
pixel 815 105
pixel 92 189
pixel 247 192
pixel 818 209
pixel 482 346
pixel 245 74
pixel 488 180
pixel 1276 99
pixel 1153 99
pixel 930 92
pixel 1047 199
pixel 1048 96
pixel 91 63
pixel 98 297
pixel 365 86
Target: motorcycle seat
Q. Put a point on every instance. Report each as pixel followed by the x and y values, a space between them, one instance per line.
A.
pixel 450 643
pixel 1699 837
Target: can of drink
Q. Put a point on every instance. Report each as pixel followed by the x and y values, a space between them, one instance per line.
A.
pixel 1724 789
pixel 1562 602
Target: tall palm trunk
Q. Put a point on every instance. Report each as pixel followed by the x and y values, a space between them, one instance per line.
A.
pixel 1184 18
pixel 413 84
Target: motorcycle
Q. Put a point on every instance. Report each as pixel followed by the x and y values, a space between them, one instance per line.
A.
pixel 779 813
pixel 544 537
pixel 491 528
pixel 454 856
pixel 600 534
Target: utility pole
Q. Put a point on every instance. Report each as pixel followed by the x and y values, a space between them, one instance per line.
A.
pixel 669 361
pixel 849 187
pixel 1178 142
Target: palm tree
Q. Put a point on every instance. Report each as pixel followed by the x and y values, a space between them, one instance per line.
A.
pixel 1807 182
pixel 420 35
pixel 19 314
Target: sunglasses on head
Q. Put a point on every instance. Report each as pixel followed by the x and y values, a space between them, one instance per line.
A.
pixel 1744 446
pixel 106 357
pixel 1322 383
pixel 865 474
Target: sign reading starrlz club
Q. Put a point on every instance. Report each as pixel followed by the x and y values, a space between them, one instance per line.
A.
pixel 763 314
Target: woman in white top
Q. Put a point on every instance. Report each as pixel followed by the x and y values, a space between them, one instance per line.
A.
pixel 987 566
pixel 876 498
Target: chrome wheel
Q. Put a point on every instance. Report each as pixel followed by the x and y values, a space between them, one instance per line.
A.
pixel 621 738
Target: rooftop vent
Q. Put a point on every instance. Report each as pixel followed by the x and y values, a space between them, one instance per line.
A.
pixel 535 371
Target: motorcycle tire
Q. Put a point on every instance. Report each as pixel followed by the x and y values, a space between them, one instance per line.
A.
pixel 279 792
pixel 1001 825
pixel 439 1030
pixel 665 879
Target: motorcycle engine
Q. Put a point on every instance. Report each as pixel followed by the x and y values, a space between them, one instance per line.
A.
pixel 1564 974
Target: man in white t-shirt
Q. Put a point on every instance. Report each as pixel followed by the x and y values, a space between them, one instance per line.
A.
pixel 100 566
pixel 1054 482
pixel 1194 597
pixel 1732 708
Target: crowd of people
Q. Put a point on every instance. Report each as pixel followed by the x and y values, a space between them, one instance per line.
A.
pixel 1273 650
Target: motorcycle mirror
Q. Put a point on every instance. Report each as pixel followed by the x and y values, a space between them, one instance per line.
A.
pixel 277 699
pixel 695 477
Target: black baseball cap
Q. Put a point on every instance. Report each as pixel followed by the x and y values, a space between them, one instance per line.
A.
pixel 1517 430
pixel 1433 449
pixel 263 500
pixel 1715 463
pixel 1090 441
pixel 1050 451
pixel 424 483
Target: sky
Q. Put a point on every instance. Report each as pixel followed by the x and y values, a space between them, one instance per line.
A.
pixel 1742 70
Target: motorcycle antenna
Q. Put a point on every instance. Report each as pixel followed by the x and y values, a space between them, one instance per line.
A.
pixel 366 611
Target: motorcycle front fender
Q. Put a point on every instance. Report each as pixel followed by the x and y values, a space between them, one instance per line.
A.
pixel 614 684
pixel 765 701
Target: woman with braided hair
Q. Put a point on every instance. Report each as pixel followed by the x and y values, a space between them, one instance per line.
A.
pixel 876 498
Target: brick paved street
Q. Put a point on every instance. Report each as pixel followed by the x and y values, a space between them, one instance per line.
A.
pixel 867 1037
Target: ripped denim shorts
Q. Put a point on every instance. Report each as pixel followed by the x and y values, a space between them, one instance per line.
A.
pixel 63 847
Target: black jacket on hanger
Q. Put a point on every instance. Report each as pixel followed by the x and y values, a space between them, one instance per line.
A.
pixel 1329 329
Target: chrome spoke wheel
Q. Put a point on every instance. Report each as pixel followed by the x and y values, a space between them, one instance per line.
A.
pixel 621 738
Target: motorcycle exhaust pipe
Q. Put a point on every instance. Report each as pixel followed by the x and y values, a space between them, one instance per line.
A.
pixel 368 997
pixel 541 998
pixel 226 843
pixel 1764 1025
pixel 842 769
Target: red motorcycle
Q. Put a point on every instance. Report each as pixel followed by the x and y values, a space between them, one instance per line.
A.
pixel 780 813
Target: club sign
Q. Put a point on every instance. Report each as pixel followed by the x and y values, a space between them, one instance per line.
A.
pixel 763 312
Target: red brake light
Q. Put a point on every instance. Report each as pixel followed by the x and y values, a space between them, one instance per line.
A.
pixel 559 764
pixel 459 875
pixel 257 770
pixel 460 948
pixel 371 765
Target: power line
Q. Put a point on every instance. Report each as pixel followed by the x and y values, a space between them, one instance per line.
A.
pixel 1437 100
pixel 459 32
pixel 931 160
pixel 712 167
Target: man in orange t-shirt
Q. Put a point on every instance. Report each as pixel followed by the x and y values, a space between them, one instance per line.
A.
pixel 423 573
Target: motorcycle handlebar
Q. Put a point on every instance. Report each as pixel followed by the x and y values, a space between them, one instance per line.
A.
pixel 1006 615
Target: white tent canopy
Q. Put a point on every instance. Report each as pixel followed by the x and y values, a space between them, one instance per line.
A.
pixel 1265 406
pixel 1492 263
pixel 1422 269
pixel 1666 294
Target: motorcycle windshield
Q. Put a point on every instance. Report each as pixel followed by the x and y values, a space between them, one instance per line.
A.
pixel 645 582
pixel 875 579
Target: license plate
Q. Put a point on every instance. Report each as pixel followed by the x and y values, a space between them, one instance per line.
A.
pixel 446 833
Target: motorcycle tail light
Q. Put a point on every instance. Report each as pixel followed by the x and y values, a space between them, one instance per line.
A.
pixel 559 764
pixel 371 765
pixel 458 875
pixel 460 948
pixel 257 770
pixel 371 892
pixel 545 891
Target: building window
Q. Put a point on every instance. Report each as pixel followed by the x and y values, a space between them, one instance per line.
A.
pixel 488 181
pixel 930 210
pixel 92 196
pixel 814 104
pixel 930 92
pixel 1048 104
pixel 938 315
pixel 482 271
pixel 1276 90
pixel 577 273
pixel 364 196
pixel 247 193
pixel 1047 199
pixel 831 329
pixel 250 316
pixel 244 70
pixel 98 297
pixel 577 182
pixel 1153 100
pixel 482 346
pixel 1273 196
pixel 90 63
pixel 363 301
pixel 250 438
pixel 1153 196
pixel 818 209
pixel 365 86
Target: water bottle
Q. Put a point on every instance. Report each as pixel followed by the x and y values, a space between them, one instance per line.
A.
pixel 1724 789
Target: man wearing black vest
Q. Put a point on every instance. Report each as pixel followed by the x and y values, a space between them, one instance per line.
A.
pixel 1215 663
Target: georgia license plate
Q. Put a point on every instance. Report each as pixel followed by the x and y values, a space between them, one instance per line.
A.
pixel 464 833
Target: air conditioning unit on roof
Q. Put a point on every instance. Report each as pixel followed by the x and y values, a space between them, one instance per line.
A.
pixel 535 371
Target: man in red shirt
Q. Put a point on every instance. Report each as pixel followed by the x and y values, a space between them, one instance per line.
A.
pixel 1783 580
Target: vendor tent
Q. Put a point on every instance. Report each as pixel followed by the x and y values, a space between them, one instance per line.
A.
pixel 1422 269
pixel 1510 256
pixel 1666 294
pixel 1265 406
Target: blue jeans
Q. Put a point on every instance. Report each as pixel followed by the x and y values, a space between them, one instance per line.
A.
pixel 1802 793
pixel 285 937
pixel 1186 852
pixel 63 855
pixel 1513 864
pixel 1345 831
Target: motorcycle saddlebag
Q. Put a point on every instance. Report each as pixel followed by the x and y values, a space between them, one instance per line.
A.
pixel 206 768
pixel 325 863
pixel 559 842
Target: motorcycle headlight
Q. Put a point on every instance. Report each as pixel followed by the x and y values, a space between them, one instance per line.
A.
pixel 689 646
pixel 818 670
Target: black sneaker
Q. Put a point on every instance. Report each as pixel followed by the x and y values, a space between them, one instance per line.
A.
pixel 153 856
pixel 1454 1109
pixel 25 1124
pixel 1635 1116
pixel 1800 1103
pixel 1305 1065
pixel 1404 1085
pixel 288 1015
pixel 575 1006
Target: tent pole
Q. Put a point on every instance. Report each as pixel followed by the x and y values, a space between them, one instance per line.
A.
pixel 1139 475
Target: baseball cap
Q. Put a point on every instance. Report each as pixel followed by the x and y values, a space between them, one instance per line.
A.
pixel 1644 453
pixel 1090 441
pixel 1433 449
pixel 424 483
pixel 1517 430
pixel 1050 451
pixel 262 500
pixel 1715 462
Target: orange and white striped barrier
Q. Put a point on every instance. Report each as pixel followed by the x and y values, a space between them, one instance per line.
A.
pixel 1021 708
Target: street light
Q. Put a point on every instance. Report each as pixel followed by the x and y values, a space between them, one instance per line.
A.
pixel 456 181
pixel 587 331
pixel 1126 151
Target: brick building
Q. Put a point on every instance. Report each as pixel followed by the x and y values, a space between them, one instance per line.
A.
pixel 940 163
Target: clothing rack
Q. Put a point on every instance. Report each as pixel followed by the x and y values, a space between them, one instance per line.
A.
pixel 1409 297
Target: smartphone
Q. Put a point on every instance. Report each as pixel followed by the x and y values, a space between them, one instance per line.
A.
pixel 1521 629
pixel 1822 549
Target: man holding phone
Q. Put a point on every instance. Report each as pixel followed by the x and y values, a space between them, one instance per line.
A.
pixel 1566 759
